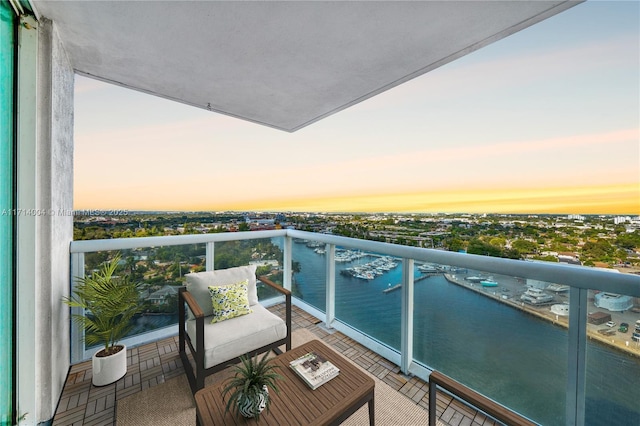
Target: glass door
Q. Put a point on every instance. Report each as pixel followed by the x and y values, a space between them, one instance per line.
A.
pixel 7 216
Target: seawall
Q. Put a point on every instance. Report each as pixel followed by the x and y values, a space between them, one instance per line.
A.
pixel 619 341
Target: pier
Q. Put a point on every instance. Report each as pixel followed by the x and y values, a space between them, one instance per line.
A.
pixel 420 278
pixel 390 289
pixel 616 340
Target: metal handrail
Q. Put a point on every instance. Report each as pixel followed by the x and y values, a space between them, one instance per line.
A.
pixel 85 246
pixel 572 275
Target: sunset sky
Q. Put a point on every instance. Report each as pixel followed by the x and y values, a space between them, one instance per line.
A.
pixel 544 121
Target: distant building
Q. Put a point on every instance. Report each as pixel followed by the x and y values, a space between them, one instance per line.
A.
pixel 613 302
pixel 570 258
pixel 160 297
pixel 598 318
pixel 561 309
pixel 621 219
pixel 271 262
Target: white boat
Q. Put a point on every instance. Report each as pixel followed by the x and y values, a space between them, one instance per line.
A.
pixel 558 288
pixel 428 269
pixel 535 296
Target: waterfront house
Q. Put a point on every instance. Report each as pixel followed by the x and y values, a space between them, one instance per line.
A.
pixel 160 296
pixel 570 258
pixel 180 51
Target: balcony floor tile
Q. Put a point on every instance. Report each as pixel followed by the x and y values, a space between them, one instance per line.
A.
pixel 82 403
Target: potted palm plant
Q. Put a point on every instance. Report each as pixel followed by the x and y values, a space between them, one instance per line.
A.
pixel 248 389
pixel 109 302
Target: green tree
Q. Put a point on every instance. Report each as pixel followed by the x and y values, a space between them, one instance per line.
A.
pixel 455 244
pixel 599 249
pixel 629 240
pixel 263 270
pixel 477 246
pixel 524 246
pixel 498 242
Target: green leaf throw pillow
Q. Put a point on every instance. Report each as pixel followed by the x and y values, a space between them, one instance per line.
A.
pixel 229 301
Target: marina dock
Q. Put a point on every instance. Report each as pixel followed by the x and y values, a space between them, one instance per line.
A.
pixel 616 340
pixel 420 278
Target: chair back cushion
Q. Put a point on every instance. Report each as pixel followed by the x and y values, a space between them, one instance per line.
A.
pixel 198 285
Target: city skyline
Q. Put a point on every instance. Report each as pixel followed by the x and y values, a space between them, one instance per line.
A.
pixel 543 121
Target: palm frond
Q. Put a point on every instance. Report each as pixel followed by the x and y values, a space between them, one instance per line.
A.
pixel 109 302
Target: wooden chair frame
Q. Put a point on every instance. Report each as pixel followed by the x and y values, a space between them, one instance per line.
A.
pixel 197 377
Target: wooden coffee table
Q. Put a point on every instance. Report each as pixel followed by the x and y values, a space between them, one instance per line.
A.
pixel 296 403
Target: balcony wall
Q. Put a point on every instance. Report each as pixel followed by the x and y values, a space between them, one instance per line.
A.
pixel 43 219
pixel 484 336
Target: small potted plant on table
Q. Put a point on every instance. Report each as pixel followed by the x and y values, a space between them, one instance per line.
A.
pixel 248 389
pixel 109 302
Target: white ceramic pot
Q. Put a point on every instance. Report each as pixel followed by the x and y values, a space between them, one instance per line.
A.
pixel 109 369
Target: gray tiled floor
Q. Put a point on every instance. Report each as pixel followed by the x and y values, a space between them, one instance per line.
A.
pixel 82 403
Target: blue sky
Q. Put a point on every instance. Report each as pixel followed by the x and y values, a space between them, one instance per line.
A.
pixel 544 121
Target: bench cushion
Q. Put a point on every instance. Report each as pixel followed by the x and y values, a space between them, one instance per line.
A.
pixel 234 337
pixel 198 285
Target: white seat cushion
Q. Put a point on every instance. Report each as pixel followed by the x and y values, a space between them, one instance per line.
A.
pixel 231 338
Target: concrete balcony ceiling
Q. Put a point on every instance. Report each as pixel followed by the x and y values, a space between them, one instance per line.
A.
pixel 280 64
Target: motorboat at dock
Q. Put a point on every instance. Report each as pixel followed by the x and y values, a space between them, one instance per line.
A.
pixel 429 269
pixel 535 296
pixel 558 288
pixel 372 269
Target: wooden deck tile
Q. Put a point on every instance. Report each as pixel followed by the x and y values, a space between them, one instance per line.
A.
pixel 149 365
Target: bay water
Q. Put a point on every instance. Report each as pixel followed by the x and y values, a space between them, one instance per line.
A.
pixel 504 353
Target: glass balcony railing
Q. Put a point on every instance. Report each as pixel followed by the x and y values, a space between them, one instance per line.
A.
pixel 545 340
pixel 159 266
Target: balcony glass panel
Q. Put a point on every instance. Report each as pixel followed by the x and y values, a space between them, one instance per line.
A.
pixel 309 272
pixel 367 295
pixel 266 253
pixel 497 335
pixel 160 272
pixel 613 359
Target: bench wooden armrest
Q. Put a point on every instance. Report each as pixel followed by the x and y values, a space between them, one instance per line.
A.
pixel 191 302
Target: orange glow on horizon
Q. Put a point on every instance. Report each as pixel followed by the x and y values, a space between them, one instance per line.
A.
pixel 621 199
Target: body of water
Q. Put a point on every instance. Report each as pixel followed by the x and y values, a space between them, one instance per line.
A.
pixel 508 355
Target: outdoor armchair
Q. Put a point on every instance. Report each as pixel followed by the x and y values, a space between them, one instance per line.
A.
pixel 248 330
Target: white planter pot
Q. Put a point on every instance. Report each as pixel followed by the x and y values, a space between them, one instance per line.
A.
pixel 109 369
